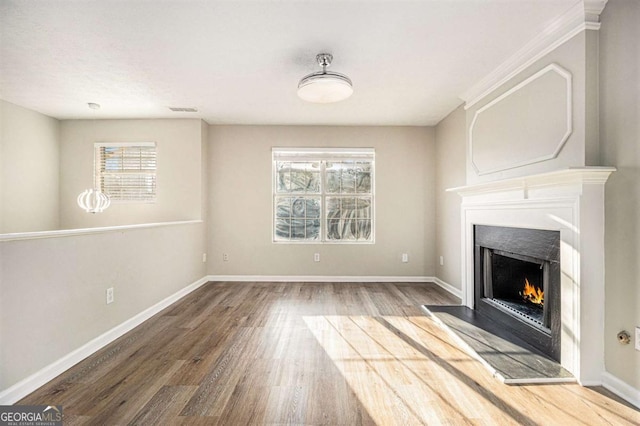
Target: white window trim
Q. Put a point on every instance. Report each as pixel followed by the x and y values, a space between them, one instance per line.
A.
pixel 96 179
pixel 322 154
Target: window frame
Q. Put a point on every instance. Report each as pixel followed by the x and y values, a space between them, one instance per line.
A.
pixel 97 172
pixel 322 155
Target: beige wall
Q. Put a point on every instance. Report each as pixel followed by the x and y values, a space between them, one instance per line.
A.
pixel 240 203
pixel 451 145
pixel 620 136
pixel 179 150
pixel 52 291
pixel 29 149
pixel 204 194
pixel 575 56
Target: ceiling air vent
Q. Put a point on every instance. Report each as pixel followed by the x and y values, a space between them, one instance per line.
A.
pixel 180 109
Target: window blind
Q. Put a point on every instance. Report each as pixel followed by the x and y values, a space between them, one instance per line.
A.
pixel 126 171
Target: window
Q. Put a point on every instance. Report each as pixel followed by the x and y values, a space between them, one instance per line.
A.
pixel 323 195
pixel 126 171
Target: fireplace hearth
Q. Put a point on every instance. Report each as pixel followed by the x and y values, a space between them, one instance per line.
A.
pixel 517 282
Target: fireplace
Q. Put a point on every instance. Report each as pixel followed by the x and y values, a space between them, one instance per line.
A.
pixel 517 283
pixel 570 202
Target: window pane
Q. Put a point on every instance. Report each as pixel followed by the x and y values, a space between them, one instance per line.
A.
pixel 333 208
pixel 364 230
pixel 348 218
pixel 333 229
pixel 282 176
pixel 298 177
pixel 363 207
pixel 298 229
pixel 297 218
pixel 313 208
pixel 333 177
pixel 298 207
pixel 283 229
pixel 305 181
pixel 283 207
pixel 346 230
pixel 348 177
pixel 312 229
pixel 363 178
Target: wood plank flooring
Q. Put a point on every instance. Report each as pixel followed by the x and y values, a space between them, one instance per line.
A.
pixel 307 353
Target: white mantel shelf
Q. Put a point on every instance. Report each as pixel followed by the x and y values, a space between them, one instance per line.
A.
pixel 573 175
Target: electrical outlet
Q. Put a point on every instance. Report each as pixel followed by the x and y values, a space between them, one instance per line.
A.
pixel 204 257
pixel 110 296
pixel 316 257
pixel 225 257
pixel 405 257
pixel 441 260
pixel 637 338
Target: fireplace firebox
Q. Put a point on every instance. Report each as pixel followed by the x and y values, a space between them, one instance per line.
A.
pixel 517 283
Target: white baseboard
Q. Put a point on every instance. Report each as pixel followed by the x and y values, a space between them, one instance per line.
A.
pixel 620 388
pixel 322 278
pixel 339 278
pixel 446 286
pixel 39 378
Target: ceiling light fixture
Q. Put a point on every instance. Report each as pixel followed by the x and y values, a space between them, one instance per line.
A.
pixel 325 86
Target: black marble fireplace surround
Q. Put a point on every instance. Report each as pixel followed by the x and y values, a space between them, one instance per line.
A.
pixel 517 283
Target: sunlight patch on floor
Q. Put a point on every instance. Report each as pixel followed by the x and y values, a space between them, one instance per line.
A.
pixel 394 380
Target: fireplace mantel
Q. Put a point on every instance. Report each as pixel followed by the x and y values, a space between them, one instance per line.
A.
pixel 570 176
pixel 570 201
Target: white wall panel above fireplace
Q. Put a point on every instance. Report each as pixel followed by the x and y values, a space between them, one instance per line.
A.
pixel 540 120
pixel 532 121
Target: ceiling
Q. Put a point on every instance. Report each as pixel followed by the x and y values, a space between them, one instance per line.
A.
pixel 239 62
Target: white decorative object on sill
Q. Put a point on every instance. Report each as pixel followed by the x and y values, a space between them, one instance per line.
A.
pixel 93 201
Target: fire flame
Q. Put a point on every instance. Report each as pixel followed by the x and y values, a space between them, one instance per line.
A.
pixel 532 293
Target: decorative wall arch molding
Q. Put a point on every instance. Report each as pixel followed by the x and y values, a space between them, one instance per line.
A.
pixel 557 137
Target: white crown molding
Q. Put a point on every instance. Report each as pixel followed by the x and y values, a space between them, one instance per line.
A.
pixel 569 119
pixel 593 9
pixel 584 15
pixel 24 387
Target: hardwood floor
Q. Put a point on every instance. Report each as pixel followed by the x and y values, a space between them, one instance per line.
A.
pixel 307 353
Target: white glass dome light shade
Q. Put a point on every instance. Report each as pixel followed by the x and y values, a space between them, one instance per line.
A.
pixel 325 86
pixel 93 201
